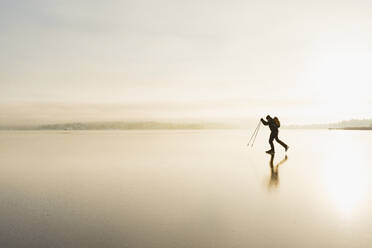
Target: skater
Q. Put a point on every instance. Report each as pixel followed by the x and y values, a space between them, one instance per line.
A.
pixel 274 125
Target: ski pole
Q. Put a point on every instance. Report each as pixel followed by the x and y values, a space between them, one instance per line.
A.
pixel 259 125
pixel 254 133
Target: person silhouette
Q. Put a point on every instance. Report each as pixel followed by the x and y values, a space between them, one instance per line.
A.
pixel 274 128
pixel 274 177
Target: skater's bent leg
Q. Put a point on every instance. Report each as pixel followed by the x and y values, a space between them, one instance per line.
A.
pixel 281 142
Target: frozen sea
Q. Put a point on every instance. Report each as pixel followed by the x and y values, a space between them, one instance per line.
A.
pixel 185 188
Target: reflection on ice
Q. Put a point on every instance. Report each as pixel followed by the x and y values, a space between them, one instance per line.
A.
pixel 274 176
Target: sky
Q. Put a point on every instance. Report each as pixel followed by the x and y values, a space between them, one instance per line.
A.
pixel 304 61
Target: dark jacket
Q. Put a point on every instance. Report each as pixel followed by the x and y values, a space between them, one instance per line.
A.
pixel 271 124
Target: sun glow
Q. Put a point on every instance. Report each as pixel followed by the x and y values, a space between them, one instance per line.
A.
pixel 345 176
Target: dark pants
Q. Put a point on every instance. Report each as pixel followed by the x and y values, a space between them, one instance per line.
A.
pixel 274 135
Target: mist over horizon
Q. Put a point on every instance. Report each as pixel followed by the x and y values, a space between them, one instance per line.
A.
pixel 174 115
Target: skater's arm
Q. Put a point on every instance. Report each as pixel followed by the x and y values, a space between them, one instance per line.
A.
pixel 264 122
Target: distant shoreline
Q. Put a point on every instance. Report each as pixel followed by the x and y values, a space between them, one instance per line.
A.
pixel 158 125
pixel 351 128
pixel 80 126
